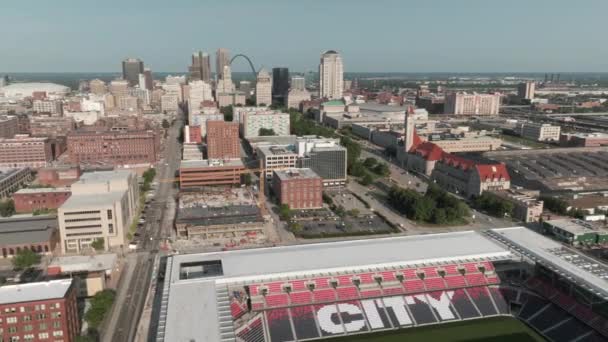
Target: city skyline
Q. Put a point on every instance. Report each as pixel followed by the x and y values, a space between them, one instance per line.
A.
pixel 412 37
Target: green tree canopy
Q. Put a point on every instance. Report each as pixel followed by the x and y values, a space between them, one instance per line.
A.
pixel 7 208
pixel 25 258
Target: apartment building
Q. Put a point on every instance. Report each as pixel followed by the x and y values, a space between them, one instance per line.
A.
pixel 9 126
pixel 223 140
pixel 13 179
pixel 25 151
pixel 298 188
pixel 539 132
pixel 41 311
pixel 461 103
pixel 252 122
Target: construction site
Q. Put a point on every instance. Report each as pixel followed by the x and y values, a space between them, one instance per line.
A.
pixel 221 216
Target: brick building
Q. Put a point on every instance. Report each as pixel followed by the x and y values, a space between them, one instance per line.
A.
pixel 59 175
pixel 594 139
pixel 113 147
pixel 38 234
pixel 9 126
pixel 298 188
pixel 42 311
pixel 28 200
pixel 13 179
pixel 51 126
pixel 199 173
pixel 25 151
pixel 223 140
pixel 192 134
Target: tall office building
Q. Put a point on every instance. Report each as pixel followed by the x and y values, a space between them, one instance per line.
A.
pixel 201 67
pixel 331 75
pixel 222 58
pixel 298 83
pixel 225 84
pixel 131 68
pixel 149 80
pixel 97 87
pixel 223 140
pixel 263 89
pixel 462 103
pixel 280 84
pixel 525 90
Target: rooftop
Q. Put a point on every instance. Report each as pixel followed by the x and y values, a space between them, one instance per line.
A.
pixel 236 162
pixel 53 289
pixel 294 173
pixel 104 176
pixel 196 298
pixel 27 230
pixel 41 190
pixel 575 226
pixel 93 201
pixel 81 263
pixel 577 267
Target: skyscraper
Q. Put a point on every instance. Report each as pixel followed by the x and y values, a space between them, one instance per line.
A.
pixel 280 84
pixel 298 83
pixel 331 75
pixel 525 90
pixel 263 89
pixel 225 84
pixel 222 58
pixel 149 79
pixel 131 68
pixel 201 67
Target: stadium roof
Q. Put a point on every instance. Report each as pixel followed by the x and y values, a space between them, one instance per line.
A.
pixel 196 298
pixel 585 271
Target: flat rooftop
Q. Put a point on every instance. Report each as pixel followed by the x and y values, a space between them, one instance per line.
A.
pixel 269 150
pixel 195 164
pixel 585 271
pixel 53 289
pixel 576 227
pixel 104 176
pixel 196 298
pixel 296 174
pixel 93 201
pixel 82 263
pixel 41 190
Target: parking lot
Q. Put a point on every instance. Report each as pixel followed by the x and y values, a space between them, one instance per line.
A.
pixel 350 217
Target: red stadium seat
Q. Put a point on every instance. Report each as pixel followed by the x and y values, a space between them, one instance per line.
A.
pixel 475 279
pixel 370 293
pixel 344 280
pixel 434 283
pixel 410 273
pixel 301 297
pixel 277 300
pixel 236 309
pixel 391 291
pixel 324 295
pixel 413 285
pixel 429 271
pixel 493 279
pixel 298 285
pixel 388 276
pixel 345 293
pixel 455 281
pixel 367 278
pixel 321 283
pixel 276 287
pixel 451 269
pixel 471 267
pixel 253 290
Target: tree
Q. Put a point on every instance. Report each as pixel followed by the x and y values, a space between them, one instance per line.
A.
pixel 382 169
pixel 266 132
pixel 284 212
pixel 100 305
pixel 353 212
pixel 367 179
pixel 357 169
pixel 247 179
pixel 7 208
pixel 24 259
pixel 228 112
pixel 98 244
pixel 166 124
pixel 423 209
pixel 370 162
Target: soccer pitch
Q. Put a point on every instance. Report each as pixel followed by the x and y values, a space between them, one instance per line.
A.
pixel 497 329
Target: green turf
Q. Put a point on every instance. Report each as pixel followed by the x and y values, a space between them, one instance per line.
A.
pixel 496 329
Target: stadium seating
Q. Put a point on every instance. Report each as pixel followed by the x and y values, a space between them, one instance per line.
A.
pixel 300 297
pixel 568 331
pixel 413 286
pixel 237 309
pixel 434 283
pixel 344 280
pixel 455 281
pixel 277 300
pixel 349 292
pixel 475 279
pixel 388 276
pixel 548 317
pixel 253 331
pixel 370 293
pixel 324 295
pixel 391 291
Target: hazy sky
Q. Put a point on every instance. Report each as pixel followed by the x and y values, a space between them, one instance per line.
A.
pixel 371 35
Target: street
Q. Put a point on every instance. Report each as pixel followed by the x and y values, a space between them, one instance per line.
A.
pixel 131 294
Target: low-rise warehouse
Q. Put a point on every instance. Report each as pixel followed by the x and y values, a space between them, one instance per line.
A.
pixel 576 231
pixel 38 234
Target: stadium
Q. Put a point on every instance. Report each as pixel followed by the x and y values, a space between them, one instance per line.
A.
pixel 383 289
